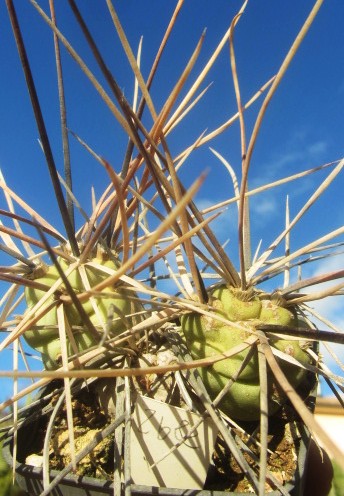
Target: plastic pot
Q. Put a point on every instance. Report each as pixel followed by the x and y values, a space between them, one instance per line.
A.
pixel 30 478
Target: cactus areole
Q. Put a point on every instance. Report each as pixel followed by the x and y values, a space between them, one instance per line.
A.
pixel 44 335
pixel 207 337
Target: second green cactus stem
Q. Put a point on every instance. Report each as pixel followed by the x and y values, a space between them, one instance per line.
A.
pixel 44 334
pixel 207 337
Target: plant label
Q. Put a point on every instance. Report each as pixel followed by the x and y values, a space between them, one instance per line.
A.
pixel 170 447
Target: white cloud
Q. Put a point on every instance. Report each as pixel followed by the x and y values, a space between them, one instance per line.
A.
pixel 264 206
pixel 332 306
pixel 332 309
pixel 317 148
pixel 298 154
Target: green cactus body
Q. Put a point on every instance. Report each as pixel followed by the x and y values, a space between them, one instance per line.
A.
pixel 51 349
pixel 44 335
pixel 237 304
pixel 207 337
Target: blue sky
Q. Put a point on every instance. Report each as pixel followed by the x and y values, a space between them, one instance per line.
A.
pixel 303 127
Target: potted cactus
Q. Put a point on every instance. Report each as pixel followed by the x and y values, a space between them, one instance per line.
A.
pixel 159 353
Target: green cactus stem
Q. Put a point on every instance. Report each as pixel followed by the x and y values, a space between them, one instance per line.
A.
pixel 44 335
pixel 208 337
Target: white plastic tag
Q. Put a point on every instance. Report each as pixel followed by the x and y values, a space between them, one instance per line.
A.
pixel 156 429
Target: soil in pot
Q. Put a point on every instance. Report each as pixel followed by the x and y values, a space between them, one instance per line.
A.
pixel 284 440
pixel 91 415
pixel 285 436
pixel 288 442
pixel 89 419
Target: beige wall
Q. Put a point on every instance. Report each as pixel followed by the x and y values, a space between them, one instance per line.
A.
pixel 330 416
